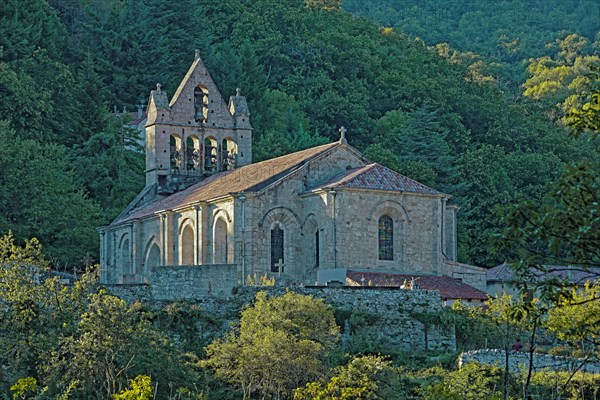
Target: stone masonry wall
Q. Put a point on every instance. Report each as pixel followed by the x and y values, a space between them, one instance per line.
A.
pixel 520 361
pixel 186 282
pixel 416 231
pixel 390 311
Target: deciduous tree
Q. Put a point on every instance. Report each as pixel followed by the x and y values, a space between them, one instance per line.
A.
pixel 281 344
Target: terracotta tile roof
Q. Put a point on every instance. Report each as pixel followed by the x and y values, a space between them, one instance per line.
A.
pixel 378 177
pixel 503 273
pixel 448 287
pixel 249 178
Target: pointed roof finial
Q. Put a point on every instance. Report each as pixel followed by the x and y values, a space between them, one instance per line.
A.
pixel 343 135
pixel 238 92
pixel 197 55
pixel 158 87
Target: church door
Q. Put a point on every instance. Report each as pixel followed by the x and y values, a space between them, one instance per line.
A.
pixel 277 249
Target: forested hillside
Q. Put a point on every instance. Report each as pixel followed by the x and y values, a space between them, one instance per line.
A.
pixel 505 33
pixel 436 115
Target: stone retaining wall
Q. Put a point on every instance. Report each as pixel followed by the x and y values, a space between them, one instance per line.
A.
pixel 190 282
pixel 392 310
pixel 520 361
pixel 131 292
pixel 389 312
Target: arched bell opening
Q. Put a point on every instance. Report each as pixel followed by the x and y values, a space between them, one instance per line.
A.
pixel 176 156
pixel 210 154
pixel 230 151
pixel 192 146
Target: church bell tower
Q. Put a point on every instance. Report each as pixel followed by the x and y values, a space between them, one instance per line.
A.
pixel 196 133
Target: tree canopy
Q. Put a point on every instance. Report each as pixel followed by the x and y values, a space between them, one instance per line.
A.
pixel 306 68
pixel 280 345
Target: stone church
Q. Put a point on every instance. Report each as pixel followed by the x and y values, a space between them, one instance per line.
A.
pixel 209 217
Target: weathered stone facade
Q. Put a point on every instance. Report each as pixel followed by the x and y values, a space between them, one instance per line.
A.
pixel 208 217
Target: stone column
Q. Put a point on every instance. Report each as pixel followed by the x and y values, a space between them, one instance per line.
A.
pixel 131 272
pixel 437 241
pixel 112 254
pixel 163 241
pixel 207 236
pixel 170 238
pixel 174 229
pixel 136 256
pixel 450 231
pixel 198 235
pixel 332 197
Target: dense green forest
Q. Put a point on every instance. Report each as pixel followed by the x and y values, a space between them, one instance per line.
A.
pixel 506 34
pixel 432 113
pixel 505 124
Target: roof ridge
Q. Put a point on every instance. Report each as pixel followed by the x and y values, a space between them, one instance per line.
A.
pixel 357 171
pixel 289 155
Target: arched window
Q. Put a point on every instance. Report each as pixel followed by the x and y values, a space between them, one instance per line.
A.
pixel 277 258
pixel 153 258
pixel 386 238
pixel 125 257
pixel 220 242
pixel 187 246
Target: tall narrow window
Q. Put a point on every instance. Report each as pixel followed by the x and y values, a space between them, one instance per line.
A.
pixel 317 248
pixel 125 257
pixel 277 249
pixel 201 103
pixel 187 246
pixel 220 245
pixel 386 238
